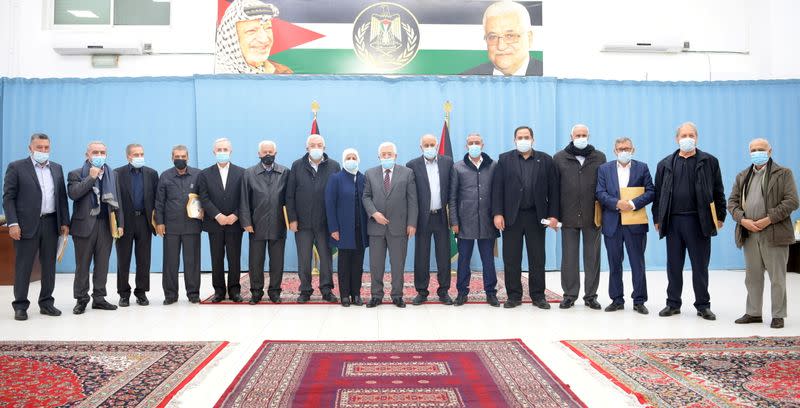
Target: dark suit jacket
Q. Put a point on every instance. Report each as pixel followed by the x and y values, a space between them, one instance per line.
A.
pixel 216 200
pixel 608 194
pixel 262 202
pixel 534 69
pixel 22 196
pixel 424 187
pixel 507 186
pixel 80 192
pixel 305 193
pixel 125 192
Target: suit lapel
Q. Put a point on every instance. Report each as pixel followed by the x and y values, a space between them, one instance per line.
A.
pixel 615 181
pixel 218 176
pixel 425 179
pixel 442 180
pixel 32 172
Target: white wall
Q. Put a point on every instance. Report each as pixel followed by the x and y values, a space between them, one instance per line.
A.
pixel 574 32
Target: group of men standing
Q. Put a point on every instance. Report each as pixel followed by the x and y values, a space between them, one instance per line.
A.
pixel 519 195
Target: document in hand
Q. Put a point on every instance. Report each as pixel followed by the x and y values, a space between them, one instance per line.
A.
pixel 598 214
pixel 193 207
pixel 714 215
pixel 112 222
pixel 63 240
pixel 635 217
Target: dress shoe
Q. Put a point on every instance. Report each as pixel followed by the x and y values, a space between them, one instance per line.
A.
pixel 613 307
pixel 399 302
pixel 255 300
pixel 707 314
pixel 669 311
pixel 641 309
pixel 446 300
pixel 541 304
pixel 356 300
pixel 330 298
pixel 374 302
pixel 593 304
pixel 79 308
pixel 236 298
pixel 491 299
pixel 460 300
pixel 217 298
pixel 20 315
pixel 103 305
pixel 566 303
pixel 142 300
pixel 303 298
pixel 168 302
pixel 345 302
pixel 49 310
pixel 510 304
pixel 275 299
pixel 777 323
pixel 194 299
pixel 746 319
pixel 419 299
pixel 124 302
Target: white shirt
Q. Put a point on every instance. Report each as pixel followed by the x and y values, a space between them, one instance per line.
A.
pixel 624 176
pixel 432 167
pixel 223 172
pixel 314 166
pixel 45 178
pixel 581 159
pixel 478 164
pixel 523 69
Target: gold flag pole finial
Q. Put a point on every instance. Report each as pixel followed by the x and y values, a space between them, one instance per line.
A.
pixel 315 107
pixel 448 107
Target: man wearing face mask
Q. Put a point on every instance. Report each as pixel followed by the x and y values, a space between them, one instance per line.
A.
pixel 471 218
pixel 137 194
pixel 577 167
pixel 390 199
pixel 93 189
pixel 220 187
pixel 181 233
pixel 305 207
pixel 35 205
pixel 763 198
pixel 688 182
pixel 261 212
pixel 525 201
pixel 432 176
pixel 611 178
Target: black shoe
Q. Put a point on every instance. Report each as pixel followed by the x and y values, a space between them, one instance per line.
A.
pixel 777 323
pixel 510 304
pixel 345 302
pixel 541 304
pixel 491 299
pixel 642 309
pixel 49 311
pixel 374 302
pixel 20 315
pixel 399 302
pixel 303 298
pixel 275 298
pixel 103 305
pixel 419 299
pixel 194 299
pixel 566 303
pixel 593 304
pixel 669 311
pixel 79 308
pixel 168 302
pixel 142 300
pixel 707 314
pixel 613 307
pixel 446 300
pixel 255 300
pixel 330 298
pixel 746 319
pixel 124 302
pixel 356 300
pixel 217 298
pixel 236 298
pixel 460 300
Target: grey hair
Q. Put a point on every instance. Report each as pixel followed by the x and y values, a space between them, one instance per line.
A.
pixel 262 144
pixel 39 136
pixel 311 137
pixel 475 134
pixel 684 124
pixel 578 126
pixel 506 7
pixel 426 135
pixel 131 146
pixel 387 144
pixel 93 142
pixel 179 148
pixel 760 139
pixel 621 140
pixel 223 140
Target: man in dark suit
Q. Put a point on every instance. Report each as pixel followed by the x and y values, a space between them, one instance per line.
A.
pixel 611 177
pixel 305 207
pixel 525 193
pixel 93 190
pixel 137 194
pixel 220 193
pixel 35 205
pixel 432 176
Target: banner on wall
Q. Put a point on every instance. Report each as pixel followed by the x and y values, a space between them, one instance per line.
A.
pixel 416 37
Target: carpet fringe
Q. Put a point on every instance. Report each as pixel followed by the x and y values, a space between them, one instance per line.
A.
pixel 202 375
pixel 631 400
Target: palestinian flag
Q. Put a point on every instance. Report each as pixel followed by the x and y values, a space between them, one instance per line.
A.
pixel 415 37
pixel 446 149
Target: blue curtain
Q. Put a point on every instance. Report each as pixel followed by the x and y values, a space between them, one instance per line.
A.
pixel 362 111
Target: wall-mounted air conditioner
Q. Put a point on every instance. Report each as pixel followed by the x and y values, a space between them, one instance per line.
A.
pixel 644 46
pixel 82 47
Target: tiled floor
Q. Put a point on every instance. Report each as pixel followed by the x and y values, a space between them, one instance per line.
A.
pixel 247 326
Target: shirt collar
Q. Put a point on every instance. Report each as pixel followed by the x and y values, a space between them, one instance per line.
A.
pixel 620 166
pixel 47 164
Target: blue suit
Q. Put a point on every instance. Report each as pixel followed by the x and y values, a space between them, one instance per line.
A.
pixel 634 237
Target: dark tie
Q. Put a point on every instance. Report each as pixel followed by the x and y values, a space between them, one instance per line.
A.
pixel 386 182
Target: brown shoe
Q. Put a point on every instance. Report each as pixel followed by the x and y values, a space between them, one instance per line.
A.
pixel 746 319
pixel 777 323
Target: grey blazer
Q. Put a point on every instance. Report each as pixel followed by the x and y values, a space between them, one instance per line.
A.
pixel 399 205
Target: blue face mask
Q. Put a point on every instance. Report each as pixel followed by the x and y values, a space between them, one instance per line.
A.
pixel 137 162
pixel 351 166
pixel 429 152
pixel 624 157
pixel 759 157
pixel 687 144
pixel 222 157
pixel 474 151
pixel 387 163
pixel 315 154
pixel 40 157
pixel 581 142
pixel 98 161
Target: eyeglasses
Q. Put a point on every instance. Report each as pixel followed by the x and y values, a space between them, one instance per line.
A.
pixel 509 38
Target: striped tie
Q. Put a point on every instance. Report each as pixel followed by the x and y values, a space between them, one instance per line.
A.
pixel 386 182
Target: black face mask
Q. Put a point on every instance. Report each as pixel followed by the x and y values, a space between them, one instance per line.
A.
pixel 268 160
pixel 180 164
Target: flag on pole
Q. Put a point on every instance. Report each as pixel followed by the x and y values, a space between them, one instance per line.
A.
pixel 446 149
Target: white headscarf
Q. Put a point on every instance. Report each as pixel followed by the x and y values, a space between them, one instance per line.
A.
pixel 229 58
pixel 347 152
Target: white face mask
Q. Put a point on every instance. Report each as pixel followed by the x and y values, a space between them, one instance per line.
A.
pixel 581 142
pixel 351 166
pixel 524 145
pixel 315 154
pixel 687 144
pixel 624 157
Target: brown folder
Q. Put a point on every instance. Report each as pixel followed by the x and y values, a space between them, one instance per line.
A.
pixel 635 217
pixel 112 222
pixel 598 214
pixel 714 215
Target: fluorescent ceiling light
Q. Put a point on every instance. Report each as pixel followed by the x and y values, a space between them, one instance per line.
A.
pixel 83 13
pixel 161 1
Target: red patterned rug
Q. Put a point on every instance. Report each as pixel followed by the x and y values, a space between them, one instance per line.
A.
pixel 291 289
pixel 712 372
pixel 91 374
pixel 441 374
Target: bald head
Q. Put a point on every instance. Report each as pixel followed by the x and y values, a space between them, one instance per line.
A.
pixel 760 144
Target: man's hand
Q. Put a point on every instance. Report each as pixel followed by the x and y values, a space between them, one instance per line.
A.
pixel 221 219
pixel 380 219
pixel 249 229
pixel 120 232
pixel 293 226
pixel 94 172
pixel 455 229
pixel 411 230
pixel 65 230
pixel 499 222
pixel 624 206
pixel 750 225
pixel 335 235
pixel 15 232
pixel 657 229
pixel 553 223
pixel 161 229
pixel 720 224
pixel 763 223
pixel 232 218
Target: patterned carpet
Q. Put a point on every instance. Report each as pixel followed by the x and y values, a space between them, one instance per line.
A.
pixel 291 289
pixel 441 374
pixel 90 374
pixel 712 372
